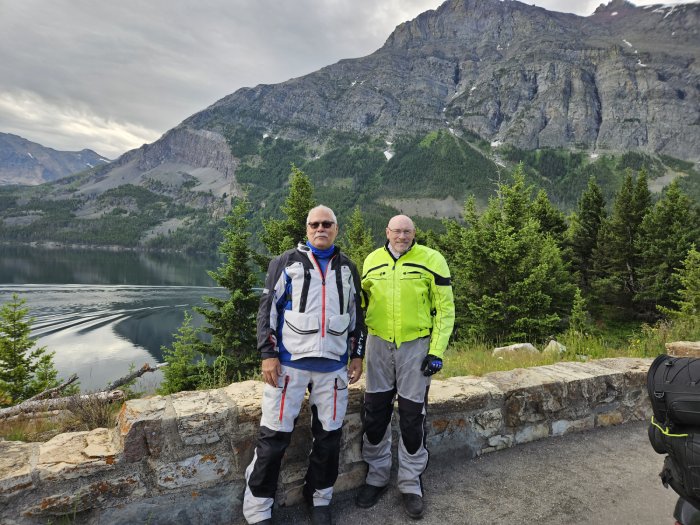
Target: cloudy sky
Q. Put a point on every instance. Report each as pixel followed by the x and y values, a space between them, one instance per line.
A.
pixel 111 75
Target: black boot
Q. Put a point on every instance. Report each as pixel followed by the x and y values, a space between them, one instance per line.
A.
pixel 369 495
pixel 413 505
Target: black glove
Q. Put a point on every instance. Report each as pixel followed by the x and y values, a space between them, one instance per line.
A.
pixel 431 365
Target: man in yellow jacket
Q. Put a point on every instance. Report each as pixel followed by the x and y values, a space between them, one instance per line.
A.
pixel 407 292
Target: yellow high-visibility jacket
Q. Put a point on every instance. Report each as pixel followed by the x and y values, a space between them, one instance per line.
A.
pixel 409 297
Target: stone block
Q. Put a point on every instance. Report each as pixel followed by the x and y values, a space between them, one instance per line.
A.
pixel 201 417
pixel 532 433
pixel 351 478
pixel 76 454
pixel 351 450
pixel 200 506
pixel 16 467
pixel 489 422
pixel 607 419
pixel 140 428
pixel 463 394
pixel 500 442
pixel 102 493
pixel 196 470
pixel 563 426
pixel 356 396
pixel 683 348
pixel 634 370
pixel 246 396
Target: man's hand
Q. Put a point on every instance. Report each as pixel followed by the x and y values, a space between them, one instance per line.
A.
pixel 431 365
pixel 355 370
pixel 271 371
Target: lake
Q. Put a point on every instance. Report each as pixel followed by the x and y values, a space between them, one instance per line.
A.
pixel 103 312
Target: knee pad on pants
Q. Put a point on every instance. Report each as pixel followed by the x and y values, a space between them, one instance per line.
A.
pixel 411 419
pixel 377 412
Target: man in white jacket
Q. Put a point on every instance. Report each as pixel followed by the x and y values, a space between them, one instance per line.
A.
pixel 309 323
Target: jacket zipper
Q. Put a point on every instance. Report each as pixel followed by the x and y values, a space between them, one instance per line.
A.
pixel 323 292
pixel 284 395
pixel 335 397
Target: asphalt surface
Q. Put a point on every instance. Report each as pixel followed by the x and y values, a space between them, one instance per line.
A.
pixel 603 476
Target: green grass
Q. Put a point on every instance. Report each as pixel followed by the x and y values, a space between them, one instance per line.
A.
pixel 475 359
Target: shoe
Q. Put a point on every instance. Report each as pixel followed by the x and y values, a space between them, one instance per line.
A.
pixel 322 515
pixel 268 521
pixel 413 505
pixel 369 495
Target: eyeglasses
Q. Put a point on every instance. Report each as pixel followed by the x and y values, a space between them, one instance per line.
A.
pixel 399 232
pixel 314 225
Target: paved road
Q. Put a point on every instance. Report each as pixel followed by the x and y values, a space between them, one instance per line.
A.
pixel 603 476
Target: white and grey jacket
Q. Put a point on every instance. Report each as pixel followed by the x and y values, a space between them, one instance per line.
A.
pixel 304 313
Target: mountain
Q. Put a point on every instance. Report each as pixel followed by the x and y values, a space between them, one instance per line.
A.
pixel 29 163
pixel 623 78
pixel 446 107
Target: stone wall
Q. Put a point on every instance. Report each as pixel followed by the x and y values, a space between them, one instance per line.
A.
pixel 181 458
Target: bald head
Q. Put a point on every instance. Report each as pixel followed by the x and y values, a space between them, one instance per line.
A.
pixel 400 232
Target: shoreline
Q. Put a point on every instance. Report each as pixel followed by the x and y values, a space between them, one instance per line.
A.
pixel 54 245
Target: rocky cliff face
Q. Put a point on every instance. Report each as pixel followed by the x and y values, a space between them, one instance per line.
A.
pixel 195 167
pixel 25 162
pixel 623 78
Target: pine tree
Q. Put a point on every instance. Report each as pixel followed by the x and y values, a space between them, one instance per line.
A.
pixel 616 257
pixel 451 245
pixel 232 322
pixel 24 370
pixel 357 241
pixel 666 235
pixel 579 318
pixel 181 372
pixel 583 232
pixel 552 220
pixel 282 234
pixel 688 302
pixel 516 284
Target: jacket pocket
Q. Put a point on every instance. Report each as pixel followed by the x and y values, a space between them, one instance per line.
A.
pixel 337 334
pixel 300 333
pixel 338 324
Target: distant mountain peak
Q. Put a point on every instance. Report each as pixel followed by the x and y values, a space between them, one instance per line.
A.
pixel 28 163
pixel 615 5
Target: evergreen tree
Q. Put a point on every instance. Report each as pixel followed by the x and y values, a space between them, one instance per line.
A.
pixel 181 372
pixel 579 319
pixel 282 234
pixel 583 232
pixel 357 241
pixel 666 235
pixel 232 322
pixel 516 284
pixel 688 302
pixel 451 245
pixel 24 370
pixel 616 257
pixel 552 220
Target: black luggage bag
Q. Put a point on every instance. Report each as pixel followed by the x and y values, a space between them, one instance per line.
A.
pixel 673 384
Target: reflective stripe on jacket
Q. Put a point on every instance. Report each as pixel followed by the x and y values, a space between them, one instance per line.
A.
pixel 409 297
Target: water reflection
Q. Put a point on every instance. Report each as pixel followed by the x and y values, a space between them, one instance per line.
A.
pixel 103 312
pixel 24 264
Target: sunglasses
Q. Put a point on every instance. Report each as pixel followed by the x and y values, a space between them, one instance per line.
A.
pixel 326 224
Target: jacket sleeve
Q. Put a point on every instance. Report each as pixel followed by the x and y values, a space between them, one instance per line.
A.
pixel 442 306
pixel 358 330
pixel 267 310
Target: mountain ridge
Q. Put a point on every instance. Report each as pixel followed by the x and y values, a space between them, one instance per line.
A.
pixel 493 68
pixel 25 162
